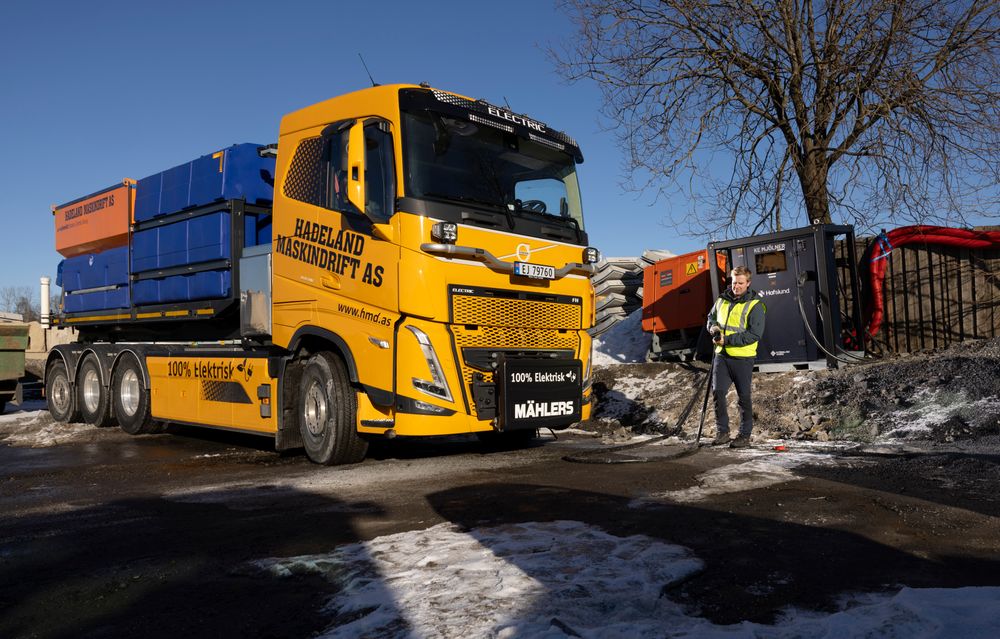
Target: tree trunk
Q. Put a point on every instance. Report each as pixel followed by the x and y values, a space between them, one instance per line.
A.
pixel 813 176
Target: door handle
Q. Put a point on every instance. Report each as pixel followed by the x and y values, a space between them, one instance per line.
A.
pixel 330 281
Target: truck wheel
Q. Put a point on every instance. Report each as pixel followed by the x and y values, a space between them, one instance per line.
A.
pixel 59 395
pixel 92 397
pixel 131 400
pixel 327 412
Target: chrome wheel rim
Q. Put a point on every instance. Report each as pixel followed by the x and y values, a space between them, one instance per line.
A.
pixel 129 392
pixel 315 410
pixel 60 393
pixel 91 390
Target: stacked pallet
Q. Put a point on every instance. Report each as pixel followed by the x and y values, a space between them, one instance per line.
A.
pixel 618 287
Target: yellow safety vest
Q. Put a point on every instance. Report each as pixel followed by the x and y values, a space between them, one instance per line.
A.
pixel 732 317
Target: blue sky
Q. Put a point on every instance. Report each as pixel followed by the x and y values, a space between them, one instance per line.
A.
pixel 97 91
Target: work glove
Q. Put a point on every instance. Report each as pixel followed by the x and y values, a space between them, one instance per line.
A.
pixel 716 332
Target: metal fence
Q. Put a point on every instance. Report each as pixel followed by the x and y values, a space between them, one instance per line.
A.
pixel 934 296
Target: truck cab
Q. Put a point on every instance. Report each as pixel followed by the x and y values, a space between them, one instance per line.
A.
pixel 441 239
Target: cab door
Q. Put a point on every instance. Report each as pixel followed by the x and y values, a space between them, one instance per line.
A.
pixel 332 269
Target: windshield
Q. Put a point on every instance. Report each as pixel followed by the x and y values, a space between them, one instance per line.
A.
pixel 458 159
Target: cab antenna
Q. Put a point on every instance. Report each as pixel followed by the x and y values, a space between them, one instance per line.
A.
pixel 374 84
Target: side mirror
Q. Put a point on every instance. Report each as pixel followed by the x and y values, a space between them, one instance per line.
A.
pixel 356 166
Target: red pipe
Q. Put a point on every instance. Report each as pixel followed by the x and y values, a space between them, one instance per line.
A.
pixel 922 234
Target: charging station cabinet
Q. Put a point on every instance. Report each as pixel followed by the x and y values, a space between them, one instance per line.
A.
pixel 797 276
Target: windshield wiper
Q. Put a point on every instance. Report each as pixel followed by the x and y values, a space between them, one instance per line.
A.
pixel 551 216
pixel 499 208
pixel 465 198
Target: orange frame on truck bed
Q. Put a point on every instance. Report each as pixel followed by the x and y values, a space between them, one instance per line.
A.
pixel 96 222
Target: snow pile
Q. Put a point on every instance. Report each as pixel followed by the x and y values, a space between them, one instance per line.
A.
pixel 31 426
pixel 645 398
pixel 517 580
pixel 948 395
pixel 623 343
pixel 570 579
pixel 622 403
pixel 15 412
pixel 931 411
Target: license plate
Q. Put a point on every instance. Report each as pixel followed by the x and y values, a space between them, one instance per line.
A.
pixel 534 271
pixel 540 392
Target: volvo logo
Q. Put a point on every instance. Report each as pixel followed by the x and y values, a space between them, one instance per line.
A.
pixel 523 252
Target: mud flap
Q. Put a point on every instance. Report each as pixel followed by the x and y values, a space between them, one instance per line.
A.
pixel 288 436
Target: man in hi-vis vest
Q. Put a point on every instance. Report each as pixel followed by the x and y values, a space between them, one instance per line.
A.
pixel 736 323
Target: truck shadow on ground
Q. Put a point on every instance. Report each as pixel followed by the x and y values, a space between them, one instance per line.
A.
pixel 379 448
pixel 172 567
pixel 754 567
pixel 220 436
pixel 448 446
pixel 182 566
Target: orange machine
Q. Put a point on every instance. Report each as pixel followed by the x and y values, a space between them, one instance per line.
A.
pixel 96 222
pixel 677 293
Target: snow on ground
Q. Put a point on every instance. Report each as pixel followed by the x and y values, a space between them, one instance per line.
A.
pixel 628 390
pixel 623 343
pixel 763 468
pixel 930 409
pixel 30 425
pixel 569 579
pixel 14 412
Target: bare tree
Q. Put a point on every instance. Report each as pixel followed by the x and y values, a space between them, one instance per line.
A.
pixel 19 299
pixel 873 110
pixel 28 309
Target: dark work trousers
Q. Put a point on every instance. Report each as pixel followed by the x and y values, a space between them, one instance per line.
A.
pixel 732 370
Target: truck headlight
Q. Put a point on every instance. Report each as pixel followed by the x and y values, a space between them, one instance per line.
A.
pixel 437 386
pixel 591 255
pixel 444 232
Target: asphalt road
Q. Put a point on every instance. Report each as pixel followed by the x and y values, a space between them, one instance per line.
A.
pixel 153 536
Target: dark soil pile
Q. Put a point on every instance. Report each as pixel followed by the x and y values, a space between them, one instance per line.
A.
pixel 947 395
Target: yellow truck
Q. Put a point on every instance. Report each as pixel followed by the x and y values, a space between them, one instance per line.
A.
pixel 405 261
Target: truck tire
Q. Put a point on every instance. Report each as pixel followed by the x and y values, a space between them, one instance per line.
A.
pixel 327 411
pixel 92 394
pixel 131 399
pixel 59 395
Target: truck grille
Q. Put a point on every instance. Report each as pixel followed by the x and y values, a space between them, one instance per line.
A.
pixel 514 337
pixel 484 319
pixel 523 313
